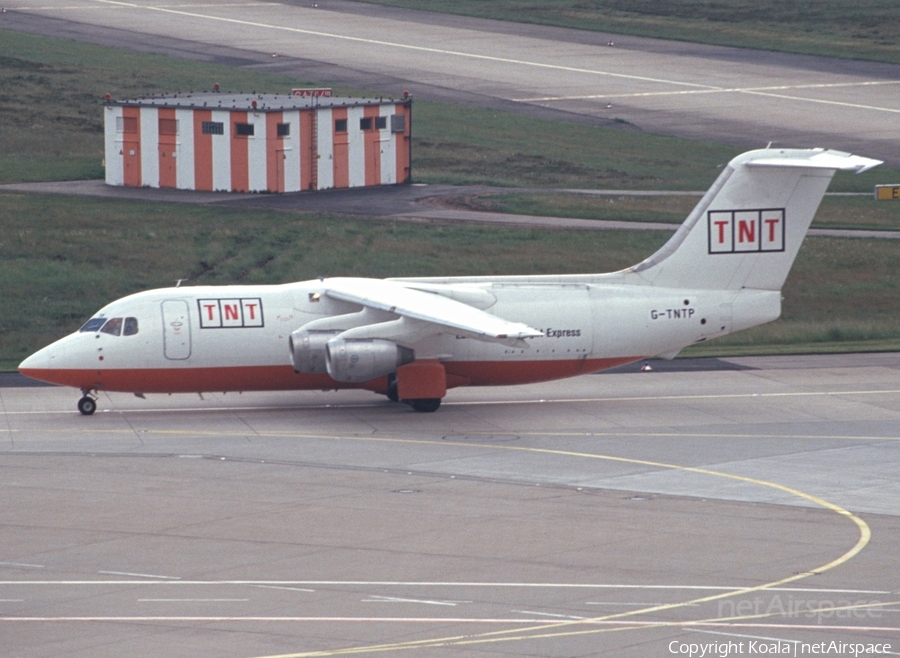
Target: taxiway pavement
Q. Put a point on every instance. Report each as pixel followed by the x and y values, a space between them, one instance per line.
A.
pixel 738 96
pixel 738 500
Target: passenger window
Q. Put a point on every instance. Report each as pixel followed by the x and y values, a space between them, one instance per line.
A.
pixel 93 324
pixel 131 327
pixel 113 327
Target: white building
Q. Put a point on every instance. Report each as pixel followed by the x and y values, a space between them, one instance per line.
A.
pixel 257 143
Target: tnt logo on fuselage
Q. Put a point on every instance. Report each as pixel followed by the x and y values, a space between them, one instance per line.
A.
pixel 230 313
pixel 746 231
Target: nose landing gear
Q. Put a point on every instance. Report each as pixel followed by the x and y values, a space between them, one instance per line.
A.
pixel 87 405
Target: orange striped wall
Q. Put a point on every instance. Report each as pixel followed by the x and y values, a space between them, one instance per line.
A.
pixel 168 163
pixel 131 147
pixel 341 148
pixel 274 151
pixel 372 141
pixel 203 158
pixel 308 150
pixel 297 154
pixel 240 168
pixel 404 166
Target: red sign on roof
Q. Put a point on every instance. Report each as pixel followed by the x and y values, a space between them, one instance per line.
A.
pixel 311 91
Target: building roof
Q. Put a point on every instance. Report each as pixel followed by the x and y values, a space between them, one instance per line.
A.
pixel 208 100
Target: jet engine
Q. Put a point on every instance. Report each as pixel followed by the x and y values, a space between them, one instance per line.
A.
pixel 362 360
pixel 308 350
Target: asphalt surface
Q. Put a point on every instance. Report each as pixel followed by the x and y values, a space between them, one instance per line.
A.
pixel 750 501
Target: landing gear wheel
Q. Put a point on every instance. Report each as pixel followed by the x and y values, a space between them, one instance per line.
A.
pixel 425 405
pixel 392 393
pixel 87 405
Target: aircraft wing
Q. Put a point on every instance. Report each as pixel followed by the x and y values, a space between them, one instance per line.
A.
pixel 443 312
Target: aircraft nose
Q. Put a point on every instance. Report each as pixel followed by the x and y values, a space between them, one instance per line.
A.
pixel 67 362
pixel 41 365
pixel 38 361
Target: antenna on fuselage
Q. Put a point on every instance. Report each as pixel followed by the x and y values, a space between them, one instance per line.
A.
pixel 179 282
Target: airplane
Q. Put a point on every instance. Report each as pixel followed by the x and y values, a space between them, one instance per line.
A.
pixel 412 339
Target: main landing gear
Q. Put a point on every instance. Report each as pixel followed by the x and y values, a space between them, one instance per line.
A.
pixel 424 405
pixel 87 404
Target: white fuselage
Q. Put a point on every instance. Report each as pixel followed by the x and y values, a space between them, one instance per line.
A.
pixel 235 338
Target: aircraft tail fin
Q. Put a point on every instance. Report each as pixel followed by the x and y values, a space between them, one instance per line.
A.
pixel 747 229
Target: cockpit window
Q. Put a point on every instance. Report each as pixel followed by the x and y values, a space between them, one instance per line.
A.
pixel 93 324
pixel 113 327
pixel 131 327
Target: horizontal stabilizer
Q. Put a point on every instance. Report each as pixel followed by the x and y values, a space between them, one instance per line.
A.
pixel 820 159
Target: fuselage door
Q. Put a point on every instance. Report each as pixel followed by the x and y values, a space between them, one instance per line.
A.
pixel 176 329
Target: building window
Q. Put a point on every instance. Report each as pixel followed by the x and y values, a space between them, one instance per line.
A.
pixel 380 123
pixel 398 123
pixel 213 128
pixel 283 130
pixel 243 129
pixel 340 125
pixel 168 126
pixel 365 123
pixel 126 124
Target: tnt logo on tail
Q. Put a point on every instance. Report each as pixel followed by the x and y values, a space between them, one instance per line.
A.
pixel 746 231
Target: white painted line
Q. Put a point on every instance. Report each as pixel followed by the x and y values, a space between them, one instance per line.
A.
pixel 137 575
pixel 393 599
pixel 290 589
pixel 549 614
pixel 393 583
pixel 687 625
pixel 717 396
pixel 22 564
pixel 749 637
pixel 367 620
pixel 726 90
pixel 193 600
pixel 636 604
pixel 460 403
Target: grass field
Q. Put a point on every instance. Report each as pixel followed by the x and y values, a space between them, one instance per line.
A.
pixel 63 258
pixel 836 212
pixel 863 29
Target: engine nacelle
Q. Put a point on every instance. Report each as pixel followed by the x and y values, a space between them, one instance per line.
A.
pixel 362 360
pixel 308 350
